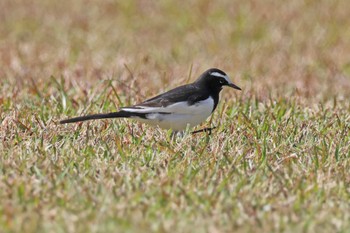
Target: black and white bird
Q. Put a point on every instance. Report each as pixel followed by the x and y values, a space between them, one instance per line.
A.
pixel 177 109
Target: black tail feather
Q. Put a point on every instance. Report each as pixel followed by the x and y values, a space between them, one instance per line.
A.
pixel 119 114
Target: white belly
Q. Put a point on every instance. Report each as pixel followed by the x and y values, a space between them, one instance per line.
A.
pixel 180 116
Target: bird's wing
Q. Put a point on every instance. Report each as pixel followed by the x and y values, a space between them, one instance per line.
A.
pixel 175 100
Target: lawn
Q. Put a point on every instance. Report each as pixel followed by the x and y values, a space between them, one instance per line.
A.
pixel 278 161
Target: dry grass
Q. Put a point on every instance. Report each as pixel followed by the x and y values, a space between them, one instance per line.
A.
pixel 278 162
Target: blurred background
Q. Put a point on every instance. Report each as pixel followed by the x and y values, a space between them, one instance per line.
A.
pixel 296 48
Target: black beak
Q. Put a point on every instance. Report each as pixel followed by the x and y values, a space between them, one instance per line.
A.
pixel 234 86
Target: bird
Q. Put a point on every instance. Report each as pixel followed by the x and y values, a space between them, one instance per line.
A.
pixel 184 106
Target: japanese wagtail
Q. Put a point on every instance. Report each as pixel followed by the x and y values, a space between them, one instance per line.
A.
pixel 182 107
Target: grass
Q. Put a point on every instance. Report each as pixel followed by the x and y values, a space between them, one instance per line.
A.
pixel 278 160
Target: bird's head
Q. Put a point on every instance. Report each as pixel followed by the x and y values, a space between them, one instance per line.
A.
pixel 215 79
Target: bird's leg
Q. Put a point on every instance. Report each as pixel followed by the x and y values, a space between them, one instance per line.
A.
pixel 173 135
pixel 176 134
pixel 209 129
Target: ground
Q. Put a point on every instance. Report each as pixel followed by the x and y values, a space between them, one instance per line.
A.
pixel 278 160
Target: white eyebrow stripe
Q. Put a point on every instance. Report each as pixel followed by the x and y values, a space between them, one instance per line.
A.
pixel 217 74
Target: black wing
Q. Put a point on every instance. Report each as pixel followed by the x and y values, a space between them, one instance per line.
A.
pixel 189 93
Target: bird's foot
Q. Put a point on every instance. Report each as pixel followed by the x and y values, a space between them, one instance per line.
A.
pixel 209 129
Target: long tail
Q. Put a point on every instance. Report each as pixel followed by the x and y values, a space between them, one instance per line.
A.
pixel 119 114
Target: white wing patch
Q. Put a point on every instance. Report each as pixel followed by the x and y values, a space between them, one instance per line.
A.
pixel 177 107
pixel 180 108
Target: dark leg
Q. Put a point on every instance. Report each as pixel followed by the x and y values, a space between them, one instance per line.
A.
pixel 204 130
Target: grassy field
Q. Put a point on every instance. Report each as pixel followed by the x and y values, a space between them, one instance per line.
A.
pixel 278 161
